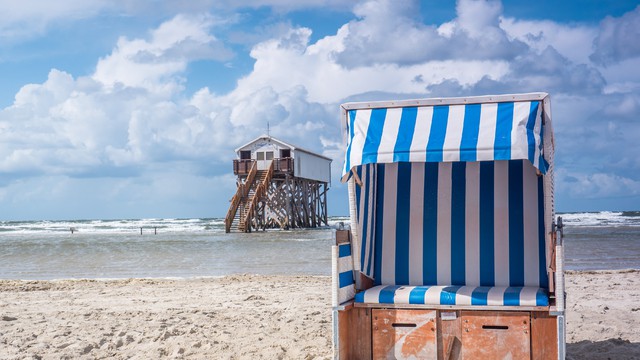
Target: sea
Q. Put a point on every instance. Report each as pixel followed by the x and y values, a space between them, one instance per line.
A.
pixel 197 248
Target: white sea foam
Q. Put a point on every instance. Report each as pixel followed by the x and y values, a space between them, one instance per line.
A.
pixel 113 226
pixel 602 218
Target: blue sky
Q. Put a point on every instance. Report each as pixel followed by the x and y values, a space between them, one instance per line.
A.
pixel 132 109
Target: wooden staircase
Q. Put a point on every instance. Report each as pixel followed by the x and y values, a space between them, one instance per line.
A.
pixel 244 208
pixel 246 199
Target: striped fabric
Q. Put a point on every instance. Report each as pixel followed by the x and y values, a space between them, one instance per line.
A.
pixel 454 295
pixel 446 133
pixel 344 285
pixel 452 223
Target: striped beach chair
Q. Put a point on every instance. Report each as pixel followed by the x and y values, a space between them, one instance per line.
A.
pixel 453 232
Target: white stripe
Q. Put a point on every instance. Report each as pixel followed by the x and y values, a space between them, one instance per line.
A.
pixel 416 241
pixel 346 294
pixel 432 295
pixel 401 296
pixel 537 136
pixel 345 264
pixel 444 223
pixel 335 279
pixel 501 223
pixel 389 135
pixel 487 133
pixel 364 199
pixel 519 148
pixel 372 218
pixel 528 296
pixel 453 136
pixel 472 225
pixel 463 295
pixel 496 295
pixel 360 128
pixel 421 134
pixel 361 215
pixel 373 295
pixel 530 214
pixel 388 270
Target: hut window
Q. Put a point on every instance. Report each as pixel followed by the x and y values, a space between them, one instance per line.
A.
pixel 269 155
pixel 245 154
pixel 260 155
pixel 285 153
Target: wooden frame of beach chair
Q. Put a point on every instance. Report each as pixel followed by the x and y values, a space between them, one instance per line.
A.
pixel 452 250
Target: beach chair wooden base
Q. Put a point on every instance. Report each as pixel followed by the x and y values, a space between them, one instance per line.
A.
pixel 384 333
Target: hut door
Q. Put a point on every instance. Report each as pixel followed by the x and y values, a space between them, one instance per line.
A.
pixel 264 159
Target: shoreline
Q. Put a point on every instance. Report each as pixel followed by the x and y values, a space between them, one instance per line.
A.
pixel 252 316
pixel 212 277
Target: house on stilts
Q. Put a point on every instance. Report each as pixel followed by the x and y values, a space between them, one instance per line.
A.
pixel 279 186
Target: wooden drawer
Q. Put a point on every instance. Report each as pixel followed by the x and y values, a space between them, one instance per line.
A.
pixel 404 334
pixel 495 335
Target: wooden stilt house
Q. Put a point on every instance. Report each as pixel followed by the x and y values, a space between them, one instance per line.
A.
pixel 279 186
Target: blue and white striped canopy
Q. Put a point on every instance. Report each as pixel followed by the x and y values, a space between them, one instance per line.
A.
pixel 506 130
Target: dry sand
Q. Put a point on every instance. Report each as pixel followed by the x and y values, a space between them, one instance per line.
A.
pixel 249 317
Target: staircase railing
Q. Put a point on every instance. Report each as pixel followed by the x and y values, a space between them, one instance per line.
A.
pixel 241 192
pixel 261 190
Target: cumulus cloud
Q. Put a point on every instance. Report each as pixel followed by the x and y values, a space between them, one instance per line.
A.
pixel 153 64
pixel 390 32
pixel 618 38
pixel 597 185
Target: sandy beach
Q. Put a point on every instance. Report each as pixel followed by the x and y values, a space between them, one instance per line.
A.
pixel 251 316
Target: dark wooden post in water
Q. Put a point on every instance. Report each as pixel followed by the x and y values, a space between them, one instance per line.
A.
pixel 279 186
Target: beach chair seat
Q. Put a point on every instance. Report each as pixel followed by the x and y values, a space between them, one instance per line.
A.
pixel 454 295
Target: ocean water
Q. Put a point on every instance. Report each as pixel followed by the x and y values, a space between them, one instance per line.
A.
pixel 188 248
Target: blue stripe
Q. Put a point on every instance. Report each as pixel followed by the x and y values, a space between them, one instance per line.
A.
pixel 512 296
pixel 379 223
pixel 458 223
pixel 437 133
pixel 504 124
pixel 352 120
pixel 387 295
pixel 516 224
pixel 374 134
pixel 531 123
pixel 360 297
pixel 448 295
pixel 430 225
pixel 402 223
pixel 479 295
pixel 541 298
pixel 344 250
pixel 487 268
pixel 346 278
pixel 405 134
pixel 416 296
pixel 470 131
pixel 542 256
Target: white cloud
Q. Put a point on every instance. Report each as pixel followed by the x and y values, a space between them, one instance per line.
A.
pixel 153 64
pixel 618 38
pixel 26 18
pixel 597 185
pixel 388 32
pixel 572 41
